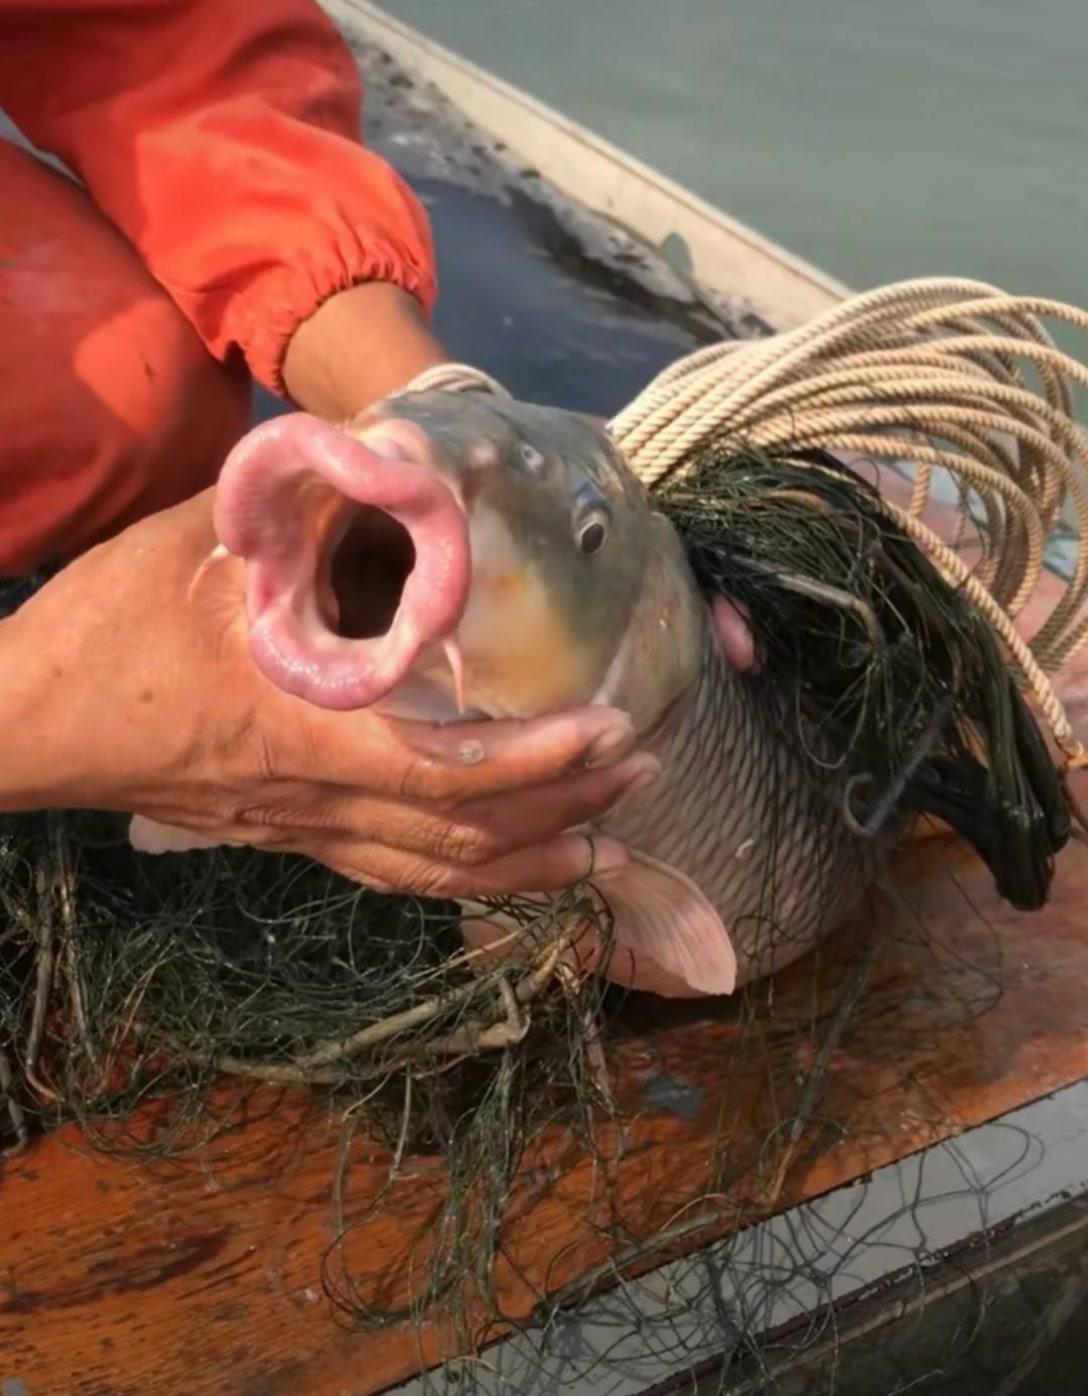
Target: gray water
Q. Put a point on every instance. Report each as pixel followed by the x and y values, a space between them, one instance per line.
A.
pixel 880 139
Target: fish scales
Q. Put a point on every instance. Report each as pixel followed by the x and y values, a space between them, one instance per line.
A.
pixel 739 811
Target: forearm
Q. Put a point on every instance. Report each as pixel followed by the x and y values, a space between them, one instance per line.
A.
pixel 359 346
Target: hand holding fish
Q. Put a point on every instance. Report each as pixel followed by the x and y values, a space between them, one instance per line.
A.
pixel 134 690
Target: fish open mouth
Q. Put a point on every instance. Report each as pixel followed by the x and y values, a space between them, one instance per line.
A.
pixel 356 551
pixel 360 581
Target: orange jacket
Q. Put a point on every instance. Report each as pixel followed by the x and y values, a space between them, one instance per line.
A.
pixel 221 137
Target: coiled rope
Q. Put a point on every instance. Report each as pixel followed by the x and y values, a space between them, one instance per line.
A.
pixel 945 373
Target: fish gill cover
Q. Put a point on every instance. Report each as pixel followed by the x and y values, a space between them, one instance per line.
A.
pixel 159 1002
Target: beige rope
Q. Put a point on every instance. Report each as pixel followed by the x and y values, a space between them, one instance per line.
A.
pixel 934 372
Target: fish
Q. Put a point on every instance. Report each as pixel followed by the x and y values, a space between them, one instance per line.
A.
pixel 508 564
pixel 462 555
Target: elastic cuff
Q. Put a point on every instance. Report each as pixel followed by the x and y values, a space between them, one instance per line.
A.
pixel 273 310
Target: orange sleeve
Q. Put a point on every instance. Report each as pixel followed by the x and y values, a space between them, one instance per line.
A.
pixel 222 138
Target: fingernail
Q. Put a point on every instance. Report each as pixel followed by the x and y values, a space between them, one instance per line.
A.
pixel 608 856
pixel 611 744
pixel 471 753
pixel 645 773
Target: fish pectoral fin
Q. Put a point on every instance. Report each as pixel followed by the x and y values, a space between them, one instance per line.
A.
pixel 667 937
pixel 149 836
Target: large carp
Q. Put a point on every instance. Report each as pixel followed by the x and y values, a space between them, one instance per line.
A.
pixel 454 555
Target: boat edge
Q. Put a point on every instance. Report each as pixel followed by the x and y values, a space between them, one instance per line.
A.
pixel 725 255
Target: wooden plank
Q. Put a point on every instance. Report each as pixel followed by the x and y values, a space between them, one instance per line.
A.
pixel 206 1276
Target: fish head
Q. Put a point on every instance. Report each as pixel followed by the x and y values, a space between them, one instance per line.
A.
pixel 445 555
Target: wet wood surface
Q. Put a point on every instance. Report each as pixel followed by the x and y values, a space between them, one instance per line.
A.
pixel 206 1276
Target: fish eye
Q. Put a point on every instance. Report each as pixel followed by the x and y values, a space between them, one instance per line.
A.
pixel 592 533
pixel 531 458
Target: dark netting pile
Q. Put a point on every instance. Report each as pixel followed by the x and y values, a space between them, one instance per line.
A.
pixel 125 976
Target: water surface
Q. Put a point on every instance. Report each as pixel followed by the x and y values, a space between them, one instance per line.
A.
pixel 880 139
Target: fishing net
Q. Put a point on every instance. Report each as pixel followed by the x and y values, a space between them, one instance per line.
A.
pixel 150 999
pixel 955 377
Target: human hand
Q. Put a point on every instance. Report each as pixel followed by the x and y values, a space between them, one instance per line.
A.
pixel 132 694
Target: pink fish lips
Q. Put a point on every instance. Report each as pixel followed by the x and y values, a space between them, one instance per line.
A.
pixel 287 496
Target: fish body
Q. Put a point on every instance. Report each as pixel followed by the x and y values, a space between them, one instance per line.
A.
pixel 756 838
pixel 525 570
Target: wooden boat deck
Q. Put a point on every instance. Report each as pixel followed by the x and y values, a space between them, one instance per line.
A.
pixel 952 1109
pixel 207 1277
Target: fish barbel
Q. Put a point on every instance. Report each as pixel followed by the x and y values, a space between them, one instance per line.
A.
pixel 456 555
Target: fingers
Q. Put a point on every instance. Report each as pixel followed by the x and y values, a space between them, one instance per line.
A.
pixel 494 827
pixel 463 761
pixel 548 810
pixel 734 632
pixel 549 867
